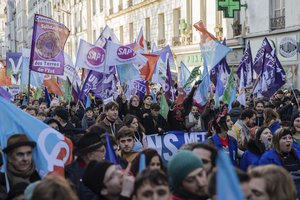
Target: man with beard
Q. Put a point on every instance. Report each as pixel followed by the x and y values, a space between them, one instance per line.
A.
pixel 187 177
pixel 125 139
pixel 20 167
pixel 111 123
pixel 242 126
pixel 259 108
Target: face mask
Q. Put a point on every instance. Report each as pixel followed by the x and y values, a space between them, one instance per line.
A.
pixel 137 146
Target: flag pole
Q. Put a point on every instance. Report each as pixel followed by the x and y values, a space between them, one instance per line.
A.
pixel 28 86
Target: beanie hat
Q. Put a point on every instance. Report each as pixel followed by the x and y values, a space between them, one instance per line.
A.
pixel 183 163
pixel 88 143
pixel 93 176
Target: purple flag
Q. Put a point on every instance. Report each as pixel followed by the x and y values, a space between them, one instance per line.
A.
pixel 247 66
pixel 48 41
pixel 273 75
pixel 6 95
pixel 259 58
pixel 223 68
pixel 99 84
pixel 169 83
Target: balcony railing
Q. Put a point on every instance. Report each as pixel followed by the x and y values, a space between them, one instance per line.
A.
pixel 277 23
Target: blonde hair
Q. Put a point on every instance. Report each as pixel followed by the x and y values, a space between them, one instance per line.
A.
pixel 279 184
pixel 53 187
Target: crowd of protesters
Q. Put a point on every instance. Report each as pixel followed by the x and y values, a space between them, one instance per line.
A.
pixel 262 141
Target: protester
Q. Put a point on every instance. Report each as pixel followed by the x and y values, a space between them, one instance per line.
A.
pixel 271 119
pixel 125 139
pixel 295 127
pixel 140 140
pixel 152 161
pixel 146 108
pixel 209 113
pixel 111 123
pixel 236 111
pixel 241 128
pixel 154 122
pixel 256 148
pixel 221 140
pixel 151 184
pixel 208 155
pixel 194 121
pixel 90 147
pixel 283 154
pixel 134 107
pixel 259 108
pixel 108 182
pixel 187 177
pixel 20 165
pixel 53 123
pixel 271 182
pixel 88 118
pixel 53 187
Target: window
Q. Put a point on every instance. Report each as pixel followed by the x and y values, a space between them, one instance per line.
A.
pixel 130 32
pixel 94 7
pixel 121 34
pixel 277 14
pixel 176 22
pixel 161 26
pixel 101 5
pixel 147 31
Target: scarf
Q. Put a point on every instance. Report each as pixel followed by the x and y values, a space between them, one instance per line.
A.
pixel 15 176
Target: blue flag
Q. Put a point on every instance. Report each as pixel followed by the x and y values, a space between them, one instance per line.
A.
pixel 142 163
pixel 53 150
pixel 88 102
pixel 228 186
pixel 203 88
pixel 110 154
pixel 47 97
pixel 127 72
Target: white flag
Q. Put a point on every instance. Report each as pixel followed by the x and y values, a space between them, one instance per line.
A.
pixel 119 55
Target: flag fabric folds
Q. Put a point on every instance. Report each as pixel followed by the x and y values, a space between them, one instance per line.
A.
pixel 119 55
pixel 127 72
pixel 48 41
pixel 193 76
pixel 52 85
pixel 107 34
pixel 228 185
pixel 5 94
pixel 272 76
pixel 164 107
pixel 146 71
pixel 169 83
pixel 247 67
pixel 184 74
pixel 259 58
pixel 110 154
pixel 211 48
pixel 47 97
pixel 13 66
pixel 242 92
pixel 203 88
pixel 142 42
pixel 230 90
pixel 53 150
pixel 90 57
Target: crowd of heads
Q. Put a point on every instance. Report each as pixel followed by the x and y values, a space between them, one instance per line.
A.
pixel 261 139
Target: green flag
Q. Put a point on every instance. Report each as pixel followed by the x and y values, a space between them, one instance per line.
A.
pixel 229 88
pixel 194 74
pixel 164 107
pixel 37 94
pixel 67 87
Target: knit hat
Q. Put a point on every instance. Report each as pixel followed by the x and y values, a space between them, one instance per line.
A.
pixel 183 163
pixel 16 141
pixel 294 117
pixel 93 176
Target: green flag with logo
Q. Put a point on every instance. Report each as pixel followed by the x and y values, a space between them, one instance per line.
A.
pixel 164 107
pixel 229 89
pixel 194 74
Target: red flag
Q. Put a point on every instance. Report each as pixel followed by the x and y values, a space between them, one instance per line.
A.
pixel 52 85
pixel 4 80
pixel 148 69
pixel 204 34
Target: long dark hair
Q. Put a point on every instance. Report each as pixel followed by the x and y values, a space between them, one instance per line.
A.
pixel 128 120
